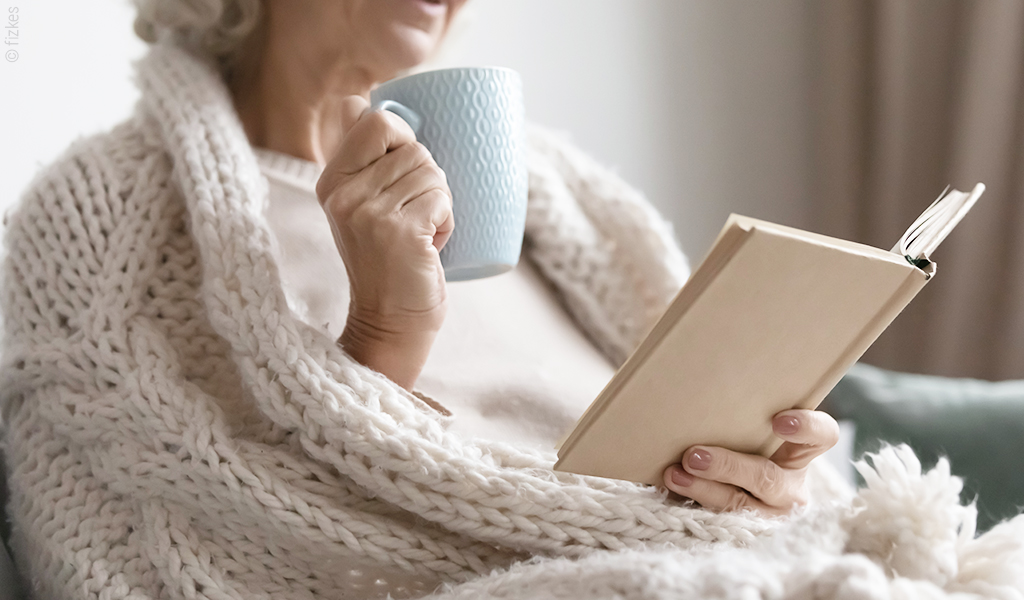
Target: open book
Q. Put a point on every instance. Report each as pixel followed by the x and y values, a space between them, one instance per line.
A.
pixel 770 320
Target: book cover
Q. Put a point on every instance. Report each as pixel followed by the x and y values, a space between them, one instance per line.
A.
pixel 770 320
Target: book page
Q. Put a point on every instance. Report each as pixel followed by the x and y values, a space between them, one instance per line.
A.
pixel 935 223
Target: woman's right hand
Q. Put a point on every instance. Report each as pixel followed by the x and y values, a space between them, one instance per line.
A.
pixel 389 207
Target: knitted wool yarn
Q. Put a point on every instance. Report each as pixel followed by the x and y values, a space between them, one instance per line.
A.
pixel 904 536
pixel 173 430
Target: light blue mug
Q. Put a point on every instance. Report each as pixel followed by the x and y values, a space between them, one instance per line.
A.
pixel 472 120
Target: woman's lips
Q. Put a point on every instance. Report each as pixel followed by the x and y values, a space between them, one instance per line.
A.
pixel 431 7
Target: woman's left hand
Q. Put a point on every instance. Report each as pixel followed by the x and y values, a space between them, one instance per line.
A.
pixel 723 480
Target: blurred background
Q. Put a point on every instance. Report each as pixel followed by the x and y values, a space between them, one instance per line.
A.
pixel 846 118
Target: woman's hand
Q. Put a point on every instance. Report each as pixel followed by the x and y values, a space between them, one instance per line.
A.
pixel 723 480
pixel 389 207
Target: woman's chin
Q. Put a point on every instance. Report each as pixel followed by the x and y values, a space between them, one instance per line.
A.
pixel 410 48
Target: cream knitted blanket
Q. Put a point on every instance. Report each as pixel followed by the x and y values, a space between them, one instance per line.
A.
pixel 174 431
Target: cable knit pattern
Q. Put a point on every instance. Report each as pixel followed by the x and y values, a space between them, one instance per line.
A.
pixel 612 257
pixel 173 431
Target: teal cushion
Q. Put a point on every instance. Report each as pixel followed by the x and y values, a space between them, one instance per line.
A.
pixel 978 425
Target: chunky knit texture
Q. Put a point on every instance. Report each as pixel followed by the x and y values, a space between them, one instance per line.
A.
pixel 905 536
pixel 173 431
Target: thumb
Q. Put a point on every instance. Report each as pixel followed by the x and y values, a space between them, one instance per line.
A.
pixel 352 108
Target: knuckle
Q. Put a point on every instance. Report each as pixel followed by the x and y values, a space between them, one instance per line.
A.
pixel 335 190
pixel 397 123
pixel 335 206
pixel 433 202
pixel 435 173
pixel 419 153
pixel 358 215
pixel 394 223
pixel 771 481
pixel 441 175
pixel 371 128
pixel 378 123
pixel 437 196
pixel 724 467
pixel 341 206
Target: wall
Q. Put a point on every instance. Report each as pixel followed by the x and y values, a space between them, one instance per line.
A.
pixel 72 77
pixel 701 104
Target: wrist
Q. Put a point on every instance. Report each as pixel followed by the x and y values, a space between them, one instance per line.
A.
pixel 398 351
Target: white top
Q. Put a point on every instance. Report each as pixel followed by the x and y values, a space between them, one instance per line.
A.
pixel 508 362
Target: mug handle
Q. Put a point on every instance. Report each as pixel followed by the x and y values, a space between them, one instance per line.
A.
pixel 408 115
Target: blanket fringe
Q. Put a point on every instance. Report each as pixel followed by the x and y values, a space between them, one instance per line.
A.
pixel 905 535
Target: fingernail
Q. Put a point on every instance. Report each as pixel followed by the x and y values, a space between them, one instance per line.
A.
pixel 786 425
pixel 699 460
pixel 681 478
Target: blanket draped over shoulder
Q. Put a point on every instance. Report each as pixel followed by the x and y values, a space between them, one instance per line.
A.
pixel 173 430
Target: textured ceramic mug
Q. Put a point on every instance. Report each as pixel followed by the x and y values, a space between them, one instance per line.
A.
pixel 472 121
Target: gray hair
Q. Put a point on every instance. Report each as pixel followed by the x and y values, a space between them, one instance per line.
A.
pixel 227 30
pixel 213 28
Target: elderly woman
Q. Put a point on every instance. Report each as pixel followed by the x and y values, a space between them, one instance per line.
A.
pixel 217 313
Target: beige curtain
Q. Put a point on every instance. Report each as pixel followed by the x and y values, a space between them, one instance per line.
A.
pixel 910 96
